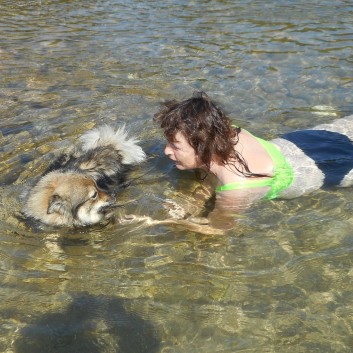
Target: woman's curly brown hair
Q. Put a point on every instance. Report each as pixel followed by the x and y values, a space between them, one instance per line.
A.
pixel 207 129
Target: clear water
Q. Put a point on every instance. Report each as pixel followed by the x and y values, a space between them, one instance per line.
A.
pixel 280 281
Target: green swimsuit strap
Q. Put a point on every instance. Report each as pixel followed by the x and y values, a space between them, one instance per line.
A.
pixel 244 184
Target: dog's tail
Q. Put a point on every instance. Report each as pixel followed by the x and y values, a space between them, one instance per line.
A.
pixel 106 136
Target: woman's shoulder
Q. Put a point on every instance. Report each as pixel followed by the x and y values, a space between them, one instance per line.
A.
pixel 255 154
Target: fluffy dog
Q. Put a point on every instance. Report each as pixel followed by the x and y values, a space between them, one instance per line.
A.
pixel 79 188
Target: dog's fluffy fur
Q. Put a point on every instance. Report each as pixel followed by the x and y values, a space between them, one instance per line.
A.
pixel 79 188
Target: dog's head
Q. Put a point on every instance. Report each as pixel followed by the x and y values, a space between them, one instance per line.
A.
pixel 67 199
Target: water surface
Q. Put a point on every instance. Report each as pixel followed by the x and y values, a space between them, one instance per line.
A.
pixel 280 281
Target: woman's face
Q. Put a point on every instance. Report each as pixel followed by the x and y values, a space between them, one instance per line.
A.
pixel 182 153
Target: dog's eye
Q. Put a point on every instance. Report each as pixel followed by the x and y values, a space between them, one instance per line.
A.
pixel 94 196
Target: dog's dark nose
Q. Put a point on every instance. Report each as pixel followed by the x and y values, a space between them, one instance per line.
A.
pixel 107 207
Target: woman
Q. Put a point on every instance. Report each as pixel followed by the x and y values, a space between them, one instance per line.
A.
pixel 200 136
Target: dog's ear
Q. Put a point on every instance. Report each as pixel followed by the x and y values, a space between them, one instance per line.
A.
pixel 57 205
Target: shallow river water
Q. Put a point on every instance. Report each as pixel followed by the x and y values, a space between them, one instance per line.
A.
pixel 280 281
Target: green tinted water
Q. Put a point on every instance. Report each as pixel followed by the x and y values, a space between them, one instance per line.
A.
pixel 280 281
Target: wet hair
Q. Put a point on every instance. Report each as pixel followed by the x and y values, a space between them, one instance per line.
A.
pixel 207 129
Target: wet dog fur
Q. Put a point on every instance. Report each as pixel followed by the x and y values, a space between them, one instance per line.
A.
pixel 79 188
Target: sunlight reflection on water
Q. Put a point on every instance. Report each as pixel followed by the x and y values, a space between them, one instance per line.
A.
pixel 279 281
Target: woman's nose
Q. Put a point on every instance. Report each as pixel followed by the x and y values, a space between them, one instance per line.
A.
pixel 167 150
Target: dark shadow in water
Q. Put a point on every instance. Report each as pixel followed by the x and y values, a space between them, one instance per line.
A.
pixel 91 324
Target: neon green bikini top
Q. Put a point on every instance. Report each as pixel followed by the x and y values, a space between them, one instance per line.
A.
pixel 282 178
